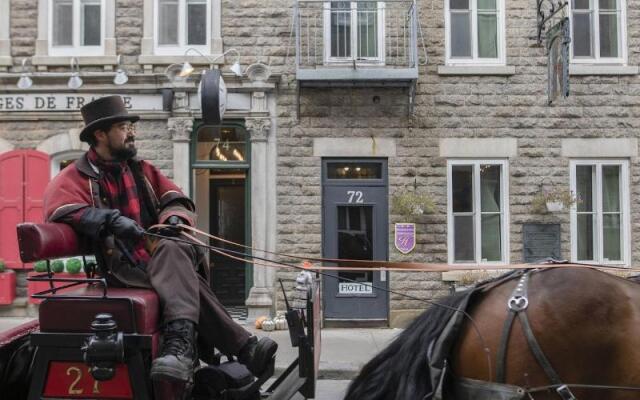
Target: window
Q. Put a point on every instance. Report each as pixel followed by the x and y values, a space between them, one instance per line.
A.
pixel 76 25
pixel 475 31
pixel 477 212
pixel 600 219
pixel 181 24
pixel 598 31
pixel 63 160
pixel 354 30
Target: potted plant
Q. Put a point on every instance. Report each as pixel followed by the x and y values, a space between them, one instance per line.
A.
pixel 554 200
pixel 7 284
pixel 74 266
pixel 411 204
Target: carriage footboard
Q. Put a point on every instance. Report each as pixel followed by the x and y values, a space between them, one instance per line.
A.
pixel 471 389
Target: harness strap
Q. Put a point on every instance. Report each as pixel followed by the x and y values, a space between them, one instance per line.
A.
pixel 502 350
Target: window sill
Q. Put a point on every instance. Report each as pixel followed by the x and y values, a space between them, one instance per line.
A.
pixel 82 60
pixel 502 70
pixel 594 69
pixel 166 60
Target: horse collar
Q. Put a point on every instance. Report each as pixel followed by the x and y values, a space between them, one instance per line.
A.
pixel 519 300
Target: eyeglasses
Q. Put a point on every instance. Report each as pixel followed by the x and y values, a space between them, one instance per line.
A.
pixel 128 126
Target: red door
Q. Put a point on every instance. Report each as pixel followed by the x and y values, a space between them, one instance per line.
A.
pixel 24 174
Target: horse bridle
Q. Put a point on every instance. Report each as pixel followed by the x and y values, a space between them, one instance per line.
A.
pixel 517 307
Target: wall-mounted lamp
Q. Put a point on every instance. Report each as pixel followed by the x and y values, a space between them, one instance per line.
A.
pixel 75 81
pixel 177 72
pixel 25 81
pixel 121 75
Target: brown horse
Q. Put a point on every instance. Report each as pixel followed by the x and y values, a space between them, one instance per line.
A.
pixel 586 322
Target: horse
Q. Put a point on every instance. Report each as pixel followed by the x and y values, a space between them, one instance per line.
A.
pixel 585 322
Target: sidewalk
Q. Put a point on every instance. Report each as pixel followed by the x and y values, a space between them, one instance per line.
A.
pixel 344 351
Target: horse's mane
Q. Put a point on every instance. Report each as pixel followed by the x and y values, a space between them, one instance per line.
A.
pixel 401 371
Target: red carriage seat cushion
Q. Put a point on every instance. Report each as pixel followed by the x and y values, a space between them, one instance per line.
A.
pixel 134 310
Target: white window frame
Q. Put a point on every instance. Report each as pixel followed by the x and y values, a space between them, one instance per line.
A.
pixel 596 59
pixel 65 155
pixel 474 59
pixel 328 59
pixel 76 49
pixel 179 50
pixel 624 208
pixel 504 205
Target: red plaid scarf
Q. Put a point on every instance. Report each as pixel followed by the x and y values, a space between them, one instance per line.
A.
pixel 119 187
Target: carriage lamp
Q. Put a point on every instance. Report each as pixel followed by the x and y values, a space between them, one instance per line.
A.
pixel 25 81
pixel 75 81
pixel 104 349
pixel 121 75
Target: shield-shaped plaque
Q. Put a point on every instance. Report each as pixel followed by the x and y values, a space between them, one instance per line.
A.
pixel 405 237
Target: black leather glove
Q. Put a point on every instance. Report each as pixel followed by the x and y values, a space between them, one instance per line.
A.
pixel 94 221
pixel 126 228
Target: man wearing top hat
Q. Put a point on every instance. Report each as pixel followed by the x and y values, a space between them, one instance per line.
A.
pixel 112 196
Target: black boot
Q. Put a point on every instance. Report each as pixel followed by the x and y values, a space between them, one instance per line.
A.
pixel 257 354
pixel 178 353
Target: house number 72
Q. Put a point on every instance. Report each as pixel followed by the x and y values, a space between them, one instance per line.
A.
pixel 355 196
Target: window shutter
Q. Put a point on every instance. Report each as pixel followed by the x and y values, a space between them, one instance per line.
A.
pixel 11 205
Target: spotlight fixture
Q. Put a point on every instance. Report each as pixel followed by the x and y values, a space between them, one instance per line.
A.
pixel 186 69
pixel 121 75
pixel 75 81
pixel 25 81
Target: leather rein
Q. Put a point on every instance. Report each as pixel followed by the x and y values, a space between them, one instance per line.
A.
pixel 517 307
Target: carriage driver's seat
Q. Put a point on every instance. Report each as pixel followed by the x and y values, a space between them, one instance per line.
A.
pixel 73 310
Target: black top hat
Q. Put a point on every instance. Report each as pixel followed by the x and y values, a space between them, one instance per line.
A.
pixel 106 109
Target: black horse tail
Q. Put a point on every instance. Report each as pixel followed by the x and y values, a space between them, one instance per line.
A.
pixel 401 371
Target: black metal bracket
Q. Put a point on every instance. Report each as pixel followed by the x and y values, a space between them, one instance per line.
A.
pixel 555 6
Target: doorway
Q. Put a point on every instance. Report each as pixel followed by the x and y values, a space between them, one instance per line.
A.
pixel 355 226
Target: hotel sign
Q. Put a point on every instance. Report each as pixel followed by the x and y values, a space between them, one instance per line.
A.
pixel 73 101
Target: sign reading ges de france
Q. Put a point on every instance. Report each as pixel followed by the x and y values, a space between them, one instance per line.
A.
pixel 72 102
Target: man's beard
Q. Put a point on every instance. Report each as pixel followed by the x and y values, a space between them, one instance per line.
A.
pixel 123 153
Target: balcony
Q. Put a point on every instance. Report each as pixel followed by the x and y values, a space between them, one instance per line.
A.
pixel 356 43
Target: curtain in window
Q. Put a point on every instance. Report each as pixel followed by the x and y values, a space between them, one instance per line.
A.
pixel 460 28
pixel 367 29
pixel 340 29
pixel 168 22
pixel 585 214
pixel 611 215
pixel 490 195
pixel 487 29
pixel 62 23
pixel 582 28
pixel 196 22
pixel 608 18
pixel 462 205
pixel 90 23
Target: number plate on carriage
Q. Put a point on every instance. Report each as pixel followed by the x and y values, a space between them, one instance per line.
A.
pixel 72 380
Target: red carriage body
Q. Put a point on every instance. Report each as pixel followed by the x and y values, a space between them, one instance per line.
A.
pixel 98 342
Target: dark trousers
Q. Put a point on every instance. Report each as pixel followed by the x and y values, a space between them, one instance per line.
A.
pixel 185 294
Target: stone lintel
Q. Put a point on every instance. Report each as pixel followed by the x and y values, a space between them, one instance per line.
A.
pixel 479 148
pixel 600 148
pixel 354 147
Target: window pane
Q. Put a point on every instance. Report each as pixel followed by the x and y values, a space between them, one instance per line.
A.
pixel 354 170
pixel 486 4
pixel 460 35
pixel 491 244
pixel 463 238
pixel 221 143
pixel 490 188
pixel 581 35
pixel 62 23
pixel 611 237
pixel 581 4
pixel 340 29
pixel 584 187
pixel 585 237
pixel 90 24
pixel 611 188
pixel 487 36
pixel 355 239
pixel 608 35
pixel 459 4
pixel 367 29
pixel 462 188
pixel 196 23
pixel 168 22
pixel 607 4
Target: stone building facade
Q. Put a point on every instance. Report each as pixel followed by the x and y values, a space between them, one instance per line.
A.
pixel 447 98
